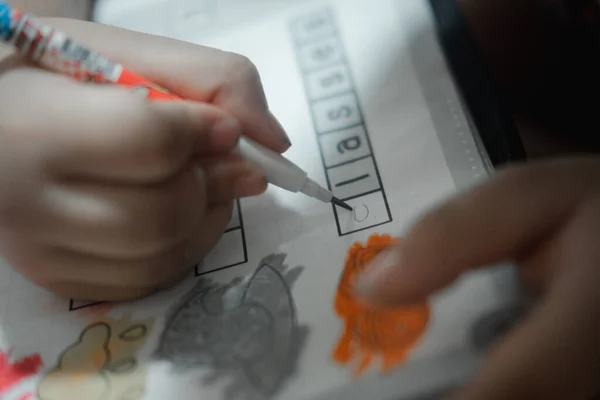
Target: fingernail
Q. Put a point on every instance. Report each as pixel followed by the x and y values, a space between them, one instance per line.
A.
pixel 251 185
pixel 369 283
pixel 226 133
pixel 280 132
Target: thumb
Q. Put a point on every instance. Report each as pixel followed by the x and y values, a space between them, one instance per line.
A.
pixel 494 222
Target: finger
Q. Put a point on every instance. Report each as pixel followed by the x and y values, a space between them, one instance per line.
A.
pixel 108 132
pixel 103 279
pixel 140 142
pixel 243 97
pixel 491 223
pixel 560 340
pixel 124 221
pixel 199 73
pixel 231 178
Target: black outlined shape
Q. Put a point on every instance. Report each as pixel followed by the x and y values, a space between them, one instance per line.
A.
pixel 198 267
pixel 133 333
pixel 100 364
pixel 245 331
pixel 360 213
pixel 71 361
pixel 324 35
pixel 376 212
pixel 74 307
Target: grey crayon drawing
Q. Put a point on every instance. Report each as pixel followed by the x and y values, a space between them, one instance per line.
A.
pixel 246 331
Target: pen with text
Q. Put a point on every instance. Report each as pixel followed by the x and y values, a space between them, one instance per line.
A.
pixel 54 51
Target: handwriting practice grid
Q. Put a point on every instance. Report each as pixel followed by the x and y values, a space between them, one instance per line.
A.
pixel 371 110
pixel 349 163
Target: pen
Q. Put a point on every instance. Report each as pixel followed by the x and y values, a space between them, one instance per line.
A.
pixel 55 51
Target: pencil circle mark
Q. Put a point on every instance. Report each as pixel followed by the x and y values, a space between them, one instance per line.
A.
pixel 360 213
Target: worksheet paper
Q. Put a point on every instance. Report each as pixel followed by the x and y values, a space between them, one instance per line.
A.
pixel 364 92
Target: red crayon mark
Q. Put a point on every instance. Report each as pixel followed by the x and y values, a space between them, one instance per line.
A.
pixel 11 373
pixel 26 396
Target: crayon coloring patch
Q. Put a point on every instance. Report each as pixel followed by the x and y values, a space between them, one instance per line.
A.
pixel 374 335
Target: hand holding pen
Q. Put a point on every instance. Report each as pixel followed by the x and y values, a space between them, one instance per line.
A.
pixel 101 194
pixel 41 44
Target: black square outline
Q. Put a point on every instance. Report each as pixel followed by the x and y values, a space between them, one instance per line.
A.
pixel 197 272
pixel 240 227
pixel 72 308
pixel 304 73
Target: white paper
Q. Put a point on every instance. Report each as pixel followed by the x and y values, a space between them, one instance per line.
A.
pixel 364 95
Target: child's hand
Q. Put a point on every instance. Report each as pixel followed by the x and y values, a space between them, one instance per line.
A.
pixel 101 193
pixel 545 217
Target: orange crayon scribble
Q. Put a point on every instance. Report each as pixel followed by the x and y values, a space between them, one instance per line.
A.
pixel 369 333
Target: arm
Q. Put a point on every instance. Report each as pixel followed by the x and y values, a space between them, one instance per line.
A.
pixel 76 9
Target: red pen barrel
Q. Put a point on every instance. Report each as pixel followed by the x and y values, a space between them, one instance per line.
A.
pixel 151 90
